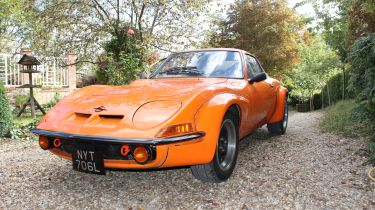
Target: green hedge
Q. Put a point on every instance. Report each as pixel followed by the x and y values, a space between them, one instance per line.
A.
pixel 6 121
pixel 362 80
pixel 335 85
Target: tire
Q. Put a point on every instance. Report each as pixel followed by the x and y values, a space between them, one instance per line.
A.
pixel 279 128
pixel 225 158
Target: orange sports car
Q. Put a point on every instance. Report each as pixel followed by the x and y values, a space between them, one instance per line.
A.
pixel 192 111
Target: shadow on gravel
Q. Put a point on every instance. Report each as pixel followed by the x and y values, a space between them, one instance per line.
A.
pixel 259 136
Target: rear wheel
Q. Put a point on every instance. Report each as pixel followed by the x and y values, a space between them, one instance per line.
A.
pixel 280 127
pixel 222 166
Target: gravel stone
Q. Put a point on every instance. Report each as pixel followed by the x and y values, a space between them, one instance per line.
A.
pixel 304 169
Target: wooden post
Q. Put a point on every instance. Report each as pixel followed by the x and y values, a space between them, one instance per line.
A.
pixel 32 104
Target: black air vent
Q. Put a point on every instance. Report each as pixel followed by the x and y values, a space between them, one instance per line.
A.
pixel 115 117
pixel 83 115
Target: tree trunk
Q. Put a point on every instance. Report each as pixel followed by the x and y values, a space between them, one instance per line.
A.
pixel 343 83
pixel 322 97
pixel 311 101
pixel 329 95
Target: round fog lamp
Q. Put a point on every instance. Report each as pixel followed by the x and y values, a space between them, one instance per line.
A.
pixel 43 142
pixel 141 155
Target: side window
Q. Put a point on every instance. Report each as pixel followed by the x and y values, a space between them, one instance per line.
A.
pixel 255 64
pixel 250 67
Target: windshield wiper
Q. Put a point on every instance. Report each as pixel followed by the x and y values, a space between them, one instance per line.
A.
pixel 182 70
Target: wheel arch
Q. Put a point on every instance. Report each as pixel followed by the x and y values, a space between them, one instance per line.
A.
pixel 236 109
pixel 281 96
pixel 210 115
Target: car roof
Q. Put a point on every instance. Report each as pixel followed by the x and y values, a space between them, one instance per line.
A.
pixel 218 49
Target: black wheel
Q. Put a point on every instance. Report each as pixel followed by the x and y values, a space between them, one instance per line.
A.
pixel 280 127
pixel 222 166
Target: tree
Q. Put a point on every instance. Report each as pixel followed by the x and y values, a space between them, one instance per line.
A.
pixel 352 20
pixel 267 28
pixel 361 20
pixel 57 26
pixel 334 25
pixel 12 21
pixel 318 64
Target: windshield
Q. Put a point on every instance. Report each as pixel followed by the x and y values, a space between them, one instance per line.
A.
pixel 216 64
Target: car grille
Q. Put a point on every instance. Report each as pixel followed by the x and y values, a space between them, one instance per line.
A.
pixel 109 150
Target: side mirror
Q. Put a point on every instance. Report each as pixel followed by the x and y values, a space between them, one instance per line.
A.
pixel 143 75
pixel 258 78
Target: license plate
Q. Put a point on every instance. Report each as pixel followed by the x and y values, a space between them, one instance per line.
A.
pixel 88 161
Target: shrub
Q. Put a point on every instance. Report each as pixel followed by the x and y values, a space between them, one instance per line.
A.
pixel 123 58
pixel 20 100
pixel 6 121
pixel 362 81
pixel 362 78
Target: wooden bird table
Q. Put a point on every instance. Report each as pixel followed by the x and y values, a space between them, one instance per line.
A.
pixel 31 100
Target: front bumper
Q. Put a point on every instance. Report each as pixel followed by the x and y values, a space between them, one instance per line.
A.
pixel 156 141
pixel 110 147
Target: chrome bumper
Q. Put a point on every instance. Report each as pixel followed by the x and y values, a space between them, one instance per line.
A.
pixel 156 141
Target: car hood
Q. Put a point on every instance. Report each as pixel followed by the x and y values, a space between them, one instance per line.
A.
pixel 155 89
pixel 143 104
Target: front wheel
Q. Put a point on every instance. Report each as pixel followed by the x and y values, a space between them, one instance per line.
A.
pixel 222 166
pixel 280 127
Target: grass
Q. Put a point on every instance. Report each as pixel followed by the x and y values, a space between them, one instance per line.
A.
pixel 25 120
pixel 346 118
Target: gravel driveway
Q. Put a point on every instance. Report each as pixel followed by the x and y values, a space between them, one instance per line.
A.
pixel 303 169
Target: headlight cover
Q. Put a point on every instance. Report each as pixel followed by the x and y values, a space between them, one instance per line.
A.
pixel 154 113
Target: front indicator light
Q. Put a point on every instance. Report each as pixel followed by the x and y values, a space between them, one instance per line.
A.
pixel 141 154
pixel 44 142
pixel 175 130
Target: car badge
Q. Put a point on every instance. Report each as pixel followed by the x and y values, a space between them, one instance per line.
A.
pixel 100 109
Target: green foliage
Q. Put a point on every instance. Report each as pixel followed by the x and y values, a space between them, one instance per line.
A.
pixel 353 19
pixel 318 64
pixel 53 27
pixel 6 120
pixel 266 28
pixel 362 74
pixel 362 79
pixel 12 20
pixel 334 26
pixel 346 118
pixel 123 58
pixel 54 101
pixel 361 20
pixel 335 85
pixel 20 99
pixel 23 125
